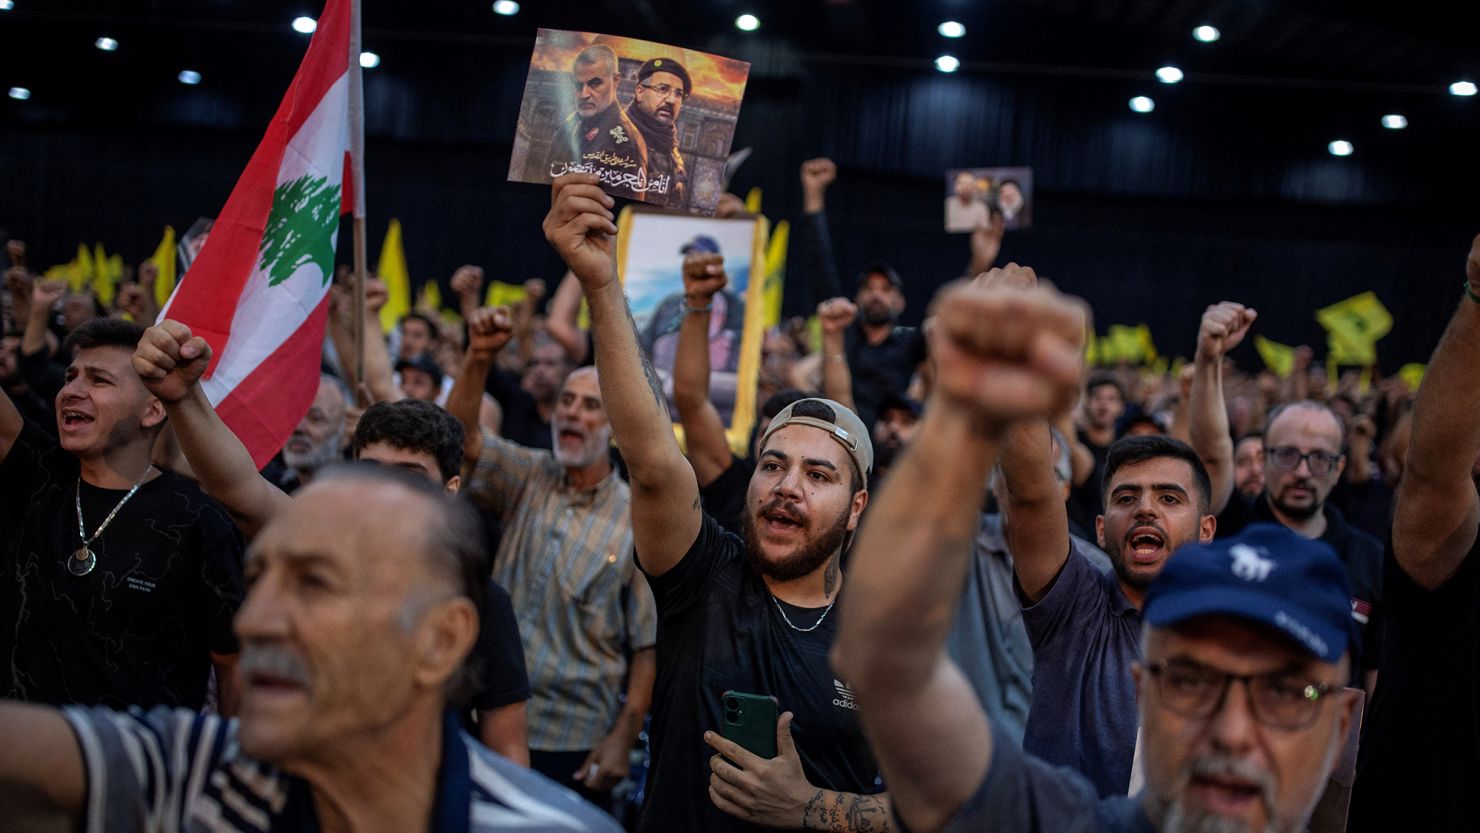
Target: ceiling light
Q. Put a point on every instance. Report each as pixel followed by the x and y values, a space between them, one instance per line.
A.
pixel 369 60
pixel 189 77
pixel 6 5
pixel 747 23
pixel 1340 147
pixel 1393 121
pixel 1462 88
pixel 1142 104
pixel 951 29
pixel 106 44
pixel 305 25
pixel 948 63
pixel 1169 75
pixel 506 8
pixel 20 93
pixel 1206 33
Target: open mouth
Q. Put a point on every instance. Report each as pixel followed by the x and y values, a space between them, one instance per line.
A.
pixel 1146 544
pixel 72 418
pixel 1227 795
pixel 567 435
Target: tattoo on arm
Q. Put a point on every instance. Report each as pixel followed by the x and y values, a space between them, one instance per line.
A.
pixel 647 364
pixel 848 813
pixel 830 577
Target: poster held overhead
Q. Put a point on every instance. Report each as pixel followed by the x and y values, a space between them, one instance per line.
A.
pixel 974 194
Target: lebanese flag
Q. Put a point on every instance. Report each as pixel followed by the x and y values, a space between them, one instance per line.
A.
pixel 258 292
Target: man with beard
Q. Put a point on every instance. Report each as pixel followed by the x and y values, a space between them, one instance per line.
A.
pixel 1248 465
pixel 662 87
pixel 1086 626
pixel 354 636
pixel 318 439
pixel 1246 640
pixel 1303 461
pixel 586 618
pixel 881 355
pixel 746 616
pixel 1104 404
pixel 899 417
pixel 599 137
pixel 118 580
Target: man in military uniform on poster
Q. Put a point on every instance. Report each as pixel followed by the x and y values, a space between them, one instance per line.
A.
pixel 598 137
pixel 663 85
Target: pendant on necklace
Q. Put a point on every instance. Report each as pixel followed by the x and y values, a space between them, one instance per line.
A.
pixel 82 562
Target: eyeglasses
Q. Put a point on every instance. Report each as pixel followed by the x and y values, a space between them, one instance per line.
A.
pixel 1288 458
pixel 1280 700
pixel 666 91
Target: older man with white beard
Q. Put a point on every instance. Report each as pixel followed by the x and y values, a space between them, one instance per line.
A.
pixel 318 439
pixel 586 618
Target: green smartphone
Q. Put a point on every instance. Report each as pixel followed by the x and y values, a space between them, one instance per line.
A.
pixel 750 721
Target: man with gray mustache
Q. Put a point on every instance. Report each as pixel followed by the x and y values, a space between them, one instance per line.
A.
pixel 1245 646
pixel 354 634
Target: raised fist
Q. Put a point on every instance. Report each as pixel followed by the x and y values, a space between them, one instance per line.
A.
pixel 1011 276
pixel 489 329
pixel 582 229
pixel 703 276
pixel 170 360
pixel 534 290
pixel 148 273
pixel 1005 354
pixel 376 294
pixel 819 173
pixel 16 249
pixel 134 299
pixel 1224 326
pixel 466 282
pixel 47 293
pixel 835 315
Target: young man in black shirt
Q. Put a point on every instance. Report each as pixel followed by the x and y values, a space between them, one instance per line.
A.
pixel 745 616
pixel 118 581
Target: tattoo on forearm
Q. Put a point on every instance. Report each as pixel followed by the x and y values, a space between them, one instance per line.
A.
pixel 848 813
pixel 812 811
pixel 830 577
pixel 647 364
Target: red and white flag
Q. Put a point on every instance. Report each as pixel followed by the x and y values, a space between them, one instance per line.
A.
pixel 258 293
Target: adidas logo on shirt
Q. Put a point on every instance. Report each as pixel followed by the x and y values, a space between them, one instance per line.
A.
pixel 844 700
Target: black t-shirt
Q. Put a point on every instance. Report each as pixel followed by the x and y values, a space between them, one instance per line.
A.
pixel 718 631
pixel 1087 500
pixel 502 679
pixel 1360 553
pixel 881 369
pixel 521 422
pixel 724 499
pixel 1418 765
pixel 138 629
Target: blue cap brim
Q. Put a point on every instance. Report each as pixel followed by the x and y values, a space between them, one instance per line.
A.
pixel 1305 632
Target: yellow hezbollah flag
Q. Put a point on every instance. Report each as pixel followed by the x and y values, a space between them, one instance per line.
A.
pixel 391 268
pixel 1355 325
pixel 82 269
pixel 1132 345
pixel 1279 358
pixel 431 297
pixel 164 261
pixel 775 272
pixel 1344 351
pixel 103 284
pixel 502 294
pixel 753 201
pixel 1412 374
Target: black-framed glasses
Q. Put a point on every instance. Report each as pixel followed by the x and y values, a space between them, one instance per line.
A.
pixel 1281 699
pixel 666 91
pixel 1289 457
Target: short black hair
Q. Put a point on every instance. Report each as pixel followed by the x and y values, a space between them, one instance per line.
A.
pixel 1131 450
pixel 1100 380
pixel 425 319
pixel 879 267
pixel 104 332
pixel 777 402
pixel 413 425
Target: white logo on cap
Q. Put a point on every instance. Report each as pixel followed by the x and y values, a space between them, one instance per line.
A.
pixel 1248 565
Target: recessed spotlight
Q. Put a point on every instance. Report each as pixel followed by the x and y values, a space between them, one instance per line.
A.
pixel 20 93
pixel 189 77
pixel 6 5
pixel 948 63
pixel 1340 147
pixel 1169 75
pixel 1462 88
pixel 369 60
pixel 747 23
pixel 951 29
pixel 106 44
pixel 1206 33
pixel 507 8
pixel 1393 121
pixel 305 25
pixel 1142 104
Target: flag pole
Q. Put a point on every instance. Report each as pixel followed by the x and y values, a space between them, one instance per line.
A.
pixel 357 167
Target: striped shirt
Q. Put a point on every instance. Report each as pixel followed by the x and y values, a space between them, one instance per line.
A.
pixel 177 771
pixel 566 559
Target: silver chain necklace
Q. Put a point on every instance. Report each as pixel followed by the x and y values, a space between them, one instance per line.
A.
pixel 815 625
pixel 84 559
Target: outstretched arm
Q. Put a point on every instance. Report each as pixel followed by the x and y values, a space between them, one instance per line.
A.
pixel 1438 510
pixel 834 315
pixel 703 430
pixel 489 329
pixel 1223 327
pixel 1002 355
pixel 562 318
pixel 665 495
pixel 170 360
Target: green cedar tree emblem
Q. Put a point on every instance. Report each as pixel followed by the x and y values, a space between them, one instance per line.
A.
pixel 300 229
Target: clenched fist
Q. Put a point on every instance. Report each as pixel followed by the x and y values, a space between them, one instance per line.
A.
pixel 171 360
pixel 582 229
pixel 703 277
pixel 835 315
pixel 1224 326
pixel 489 329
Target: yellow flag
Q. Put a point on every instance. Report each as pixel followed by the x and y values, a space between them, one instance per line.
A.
pixel 1279 358
pixel 1412 374
pixel 164 260
pixel 775 272
pixel 1131 345
pixel 753 201
pixel 1092 352
pixel 82 269
pixel 104 287
pixel 391 268
pixel 1148 347
pixel 431 297
pixel 502 294
pixel 1356 324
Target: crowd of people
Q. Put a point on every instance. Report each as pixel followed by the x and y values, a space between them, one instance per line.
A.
pixel 484 586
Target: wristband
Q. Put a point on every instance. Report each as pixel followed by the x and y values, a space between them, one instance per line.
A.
pixel 688 310
pixel 1470 291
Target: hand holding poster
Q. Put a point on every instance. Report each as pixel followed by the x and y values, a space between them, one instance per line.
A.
pixel 655 122
pixel 974 194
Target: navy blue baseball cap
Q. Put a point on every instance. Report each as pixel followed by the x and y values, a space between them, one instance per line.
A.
pixel 1265 574
pixel 701 244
